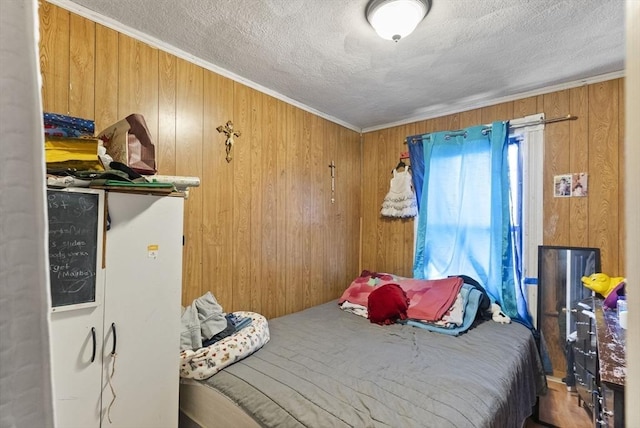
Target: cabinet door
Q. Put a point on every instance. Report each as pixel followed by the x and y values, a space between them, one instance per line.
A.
pixel 76 379
pixel 142 300
pixel 77 283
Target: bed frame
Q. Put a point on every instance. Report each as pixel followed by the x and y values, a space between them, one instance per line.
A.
pixel 204 407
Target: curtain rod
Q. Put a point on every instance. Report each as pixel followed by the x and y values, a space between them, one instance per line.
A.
pixel 521 125
pixel 544 121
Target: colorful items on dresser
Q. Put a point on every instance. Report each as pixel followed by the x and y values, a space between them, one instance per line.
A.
pixel 602 283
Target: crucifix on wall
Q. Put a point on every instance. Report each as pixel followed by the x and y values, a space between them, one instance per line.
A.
pixel 230 134
pixel 332 165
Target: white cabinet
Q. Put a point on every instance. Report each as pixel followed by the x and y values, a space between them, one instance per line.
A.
pixel 136 313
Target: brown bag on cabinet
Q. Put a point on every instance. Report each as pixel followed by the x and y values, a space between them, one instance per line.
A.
pixel 128 141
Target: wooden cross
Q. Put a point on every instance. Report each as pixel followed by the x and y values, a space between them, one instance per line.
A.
pixel 230 133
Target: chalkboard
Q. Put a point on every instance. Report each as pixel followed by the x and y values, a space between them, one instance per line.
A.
pixel 73 247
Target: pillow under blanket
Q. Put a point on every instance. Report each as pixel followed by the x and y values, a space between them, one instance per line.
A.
pixel 387 303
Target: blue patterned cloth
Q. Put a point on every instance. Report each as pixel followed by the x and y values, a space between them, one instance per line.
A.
pixel 86 126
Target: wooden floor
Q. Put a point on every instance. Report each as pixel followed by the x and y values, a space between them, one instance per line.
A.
pixel 560 408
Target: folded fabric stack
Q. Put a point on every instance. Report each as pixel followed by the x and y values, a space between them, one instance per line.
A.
pixel 60 125
pixel 447 305
pixel 70 143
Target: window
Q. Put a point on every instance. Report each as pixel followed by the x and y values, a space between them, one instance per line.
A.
pixel 482 192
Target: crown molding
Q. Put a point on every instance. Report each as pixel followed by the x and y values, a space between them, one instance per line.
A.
pixel 459 108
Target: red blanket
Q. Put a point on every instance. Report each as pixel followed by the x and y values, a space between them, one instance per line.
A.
pixel 429 299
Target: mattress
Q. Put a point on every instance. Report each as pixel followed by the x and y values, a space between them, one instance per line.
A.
pixel 325 367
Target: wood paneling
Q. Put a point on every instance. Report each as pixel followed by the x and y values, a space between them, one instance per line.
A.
pixel 189 101
pixel 525 107
pixel 347 211
pixel 371 194
pixel 556 162
pixel 333 245
pixel 241 196
pixel 622 183
pixel 281 306
pixel 318 212
pixel 268 167
pixel 467 118
pixel 604 172
pixel 82 43
pixel 590 144
pixel 106 72
pixel 138 81
pixel 217 190
pixel 579 162
pixel 256 213
pixel 166 142
pixel 256 229
pixel 295 217
pixel 54 58
pixel 496 112
pixel 385 227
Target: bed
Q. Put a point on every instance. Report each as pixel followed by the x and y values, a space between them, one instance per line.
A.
pixel 326 367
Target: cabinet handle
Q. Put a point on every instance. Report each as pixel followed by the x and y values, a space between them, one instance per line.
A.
pixel 113 330
pixel 93 336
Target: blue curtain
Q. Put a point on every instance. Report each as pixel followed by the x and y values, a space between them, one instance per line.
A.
pixel 464 226
pixel 416 156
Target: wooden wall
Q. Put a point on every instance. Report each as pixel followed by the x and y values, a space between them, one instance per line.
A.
pixel 261 232
pixel 592 144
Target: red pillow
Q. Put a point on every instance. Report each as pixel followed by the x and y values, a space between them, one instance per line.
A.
pixel 387 303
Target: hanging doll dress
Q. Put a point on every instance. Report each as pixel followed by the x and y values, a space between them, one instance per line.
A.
pixel 400 202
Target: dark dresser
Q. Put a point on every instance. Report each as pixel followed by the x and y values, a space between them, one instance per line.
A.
pixel 599 362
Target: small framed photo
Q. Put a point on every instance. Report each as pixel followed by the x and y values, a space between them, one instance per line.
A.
pixel 562 186
pixel 579 184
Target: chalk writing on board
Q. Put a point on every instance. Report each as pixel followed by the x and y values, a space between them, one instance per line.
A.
pixel 73 229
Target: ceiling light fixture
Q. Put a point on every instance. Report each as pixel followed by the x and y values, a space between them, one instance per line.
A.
pixel 396 19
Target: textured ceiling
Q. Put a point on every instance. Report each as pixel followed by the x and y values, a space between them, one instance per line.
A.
pixel 324 55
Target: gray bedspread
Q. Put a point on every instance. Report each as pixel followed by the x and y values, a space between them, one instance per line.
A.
pixel 324 367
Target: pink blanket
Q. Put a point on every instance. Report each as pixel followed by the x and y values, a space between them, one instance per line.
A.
pixel 429 299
